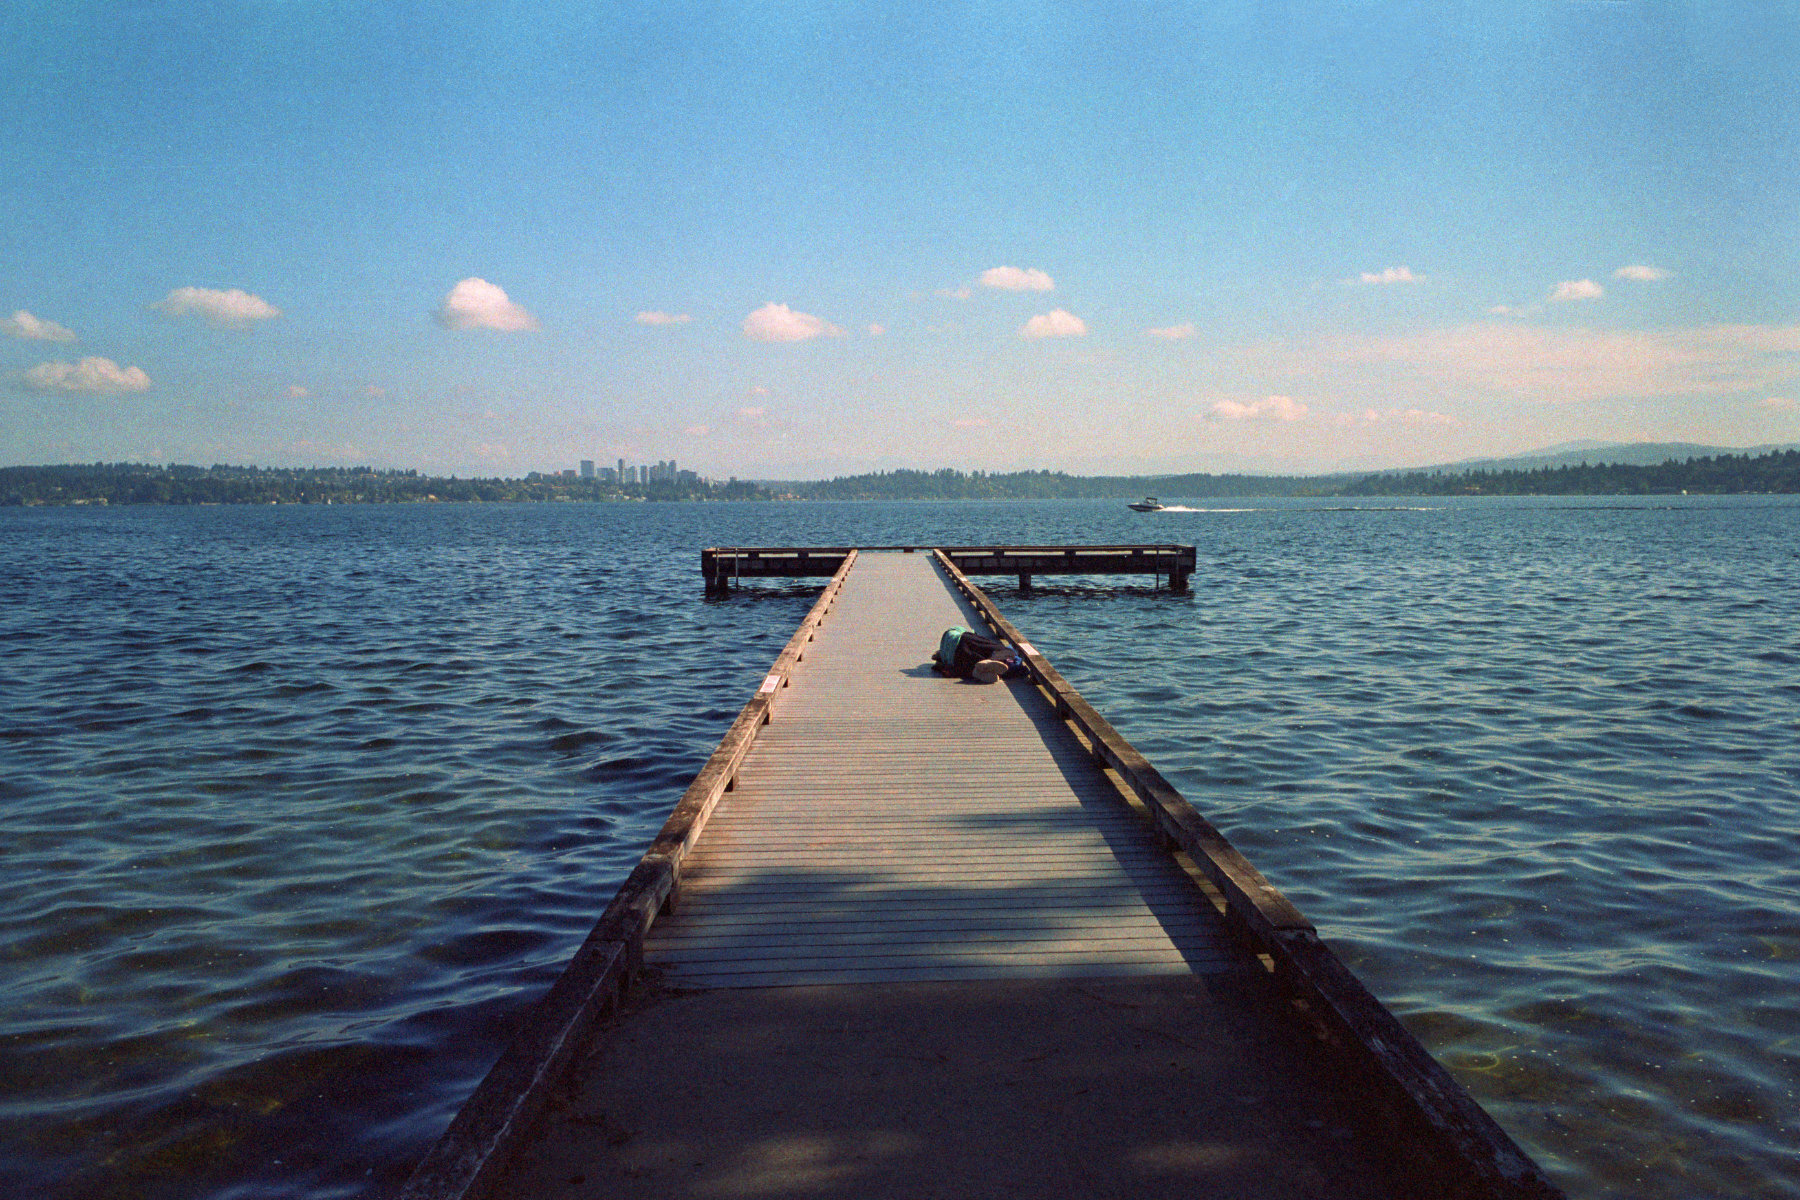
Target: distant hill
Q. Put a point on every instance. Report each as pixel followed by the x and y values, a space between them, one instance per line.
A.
pixel 1574 454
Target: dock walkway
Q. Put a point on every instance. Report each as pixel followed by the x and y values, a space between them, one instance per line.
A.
pixel 893 825
pixel 906 936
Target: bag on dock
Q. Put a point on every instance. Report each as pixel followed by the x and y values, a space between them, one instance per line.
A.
pixel 960 648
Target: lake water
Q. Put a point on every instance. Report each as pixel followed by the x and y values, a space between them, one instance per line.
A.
pixel 302 807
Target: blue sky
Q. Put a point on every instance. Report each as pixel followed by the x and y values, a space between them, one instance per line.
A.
pixel 788 240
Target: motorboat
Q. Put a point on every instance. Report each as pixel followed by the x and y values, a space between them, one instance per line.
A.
pixel 1147 504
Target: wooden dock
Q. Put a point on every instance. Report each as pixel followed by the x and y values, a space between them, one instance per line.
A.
pixel 907 935
pixel 726 567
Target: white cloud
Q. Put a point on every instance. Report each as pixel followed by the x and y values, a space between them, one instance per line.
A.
pixel 477 304
pixel 1577 289
pixel 662 318
pixel 1643 274
pixel 35 329
pixel 1531 363
pixel 752 412
pixel 494 452
pixel 1174 333
pixel 1781 403
pixel 1393 416
pixel 779 323
pixel 374 393
pixel 697 430
pixel 956 293
pixel 1017 279
pixel 877 330
pixel 1269 408
pixel 297 392
pixel 1056 323
pixel 1390 275
pixel 235 307
pixel 96 376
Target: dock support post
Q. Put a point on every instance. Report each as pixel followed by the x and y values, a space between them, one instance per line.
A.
pixel 1178 582
pixel 1025 582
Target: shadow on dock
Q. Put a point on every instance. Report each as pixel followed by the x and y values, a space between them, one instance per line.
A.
pixel 1002 1089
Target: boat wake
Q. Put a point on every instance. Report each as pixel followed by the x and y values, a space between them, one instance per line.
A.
pixel 1178 508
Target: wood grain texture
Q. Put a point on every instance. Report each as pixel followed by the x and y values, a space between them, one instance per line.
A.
pixel 891 824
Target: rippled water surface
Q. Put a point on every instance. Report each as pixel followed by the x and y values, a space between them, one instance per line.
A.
pixel 300 807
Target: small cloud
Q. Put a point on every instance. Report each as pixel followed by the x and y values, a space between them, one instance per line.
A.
pixel 759 390
pixel 1055 323
pixel 492 451
pixel 779 323
pixel 375 393
pixel 1643 274
pixel 958 293
pixel 754 412
pixel 233 308
pixel 1781 403
pixel 970 423
pixel 1577 289
pixel 488 414
pixel 1269 408
pixel 662 318
pixel 1392 416
pixel 697 430
pixel 35 329
pixel 297 392
pixel 877 330
pixel 477 304
pixel 95 376
pixel 1174 333
pixel 1390 275
pixel 1017 279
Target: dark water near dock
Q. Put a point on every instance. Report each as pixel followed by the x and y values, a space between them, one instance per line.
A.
pixel 301 806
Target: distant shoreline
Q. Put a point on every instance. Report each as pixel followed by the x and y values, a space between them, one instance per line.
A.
pixel 1774 473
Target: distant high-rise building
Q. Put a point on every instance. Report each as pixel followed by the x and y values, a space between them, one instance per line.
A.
pixel 587 468
pixel 622 476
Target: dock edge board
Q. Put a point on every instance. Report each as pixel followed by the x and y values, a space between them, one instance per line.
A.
pixel 474 1149
pixel 1375 1041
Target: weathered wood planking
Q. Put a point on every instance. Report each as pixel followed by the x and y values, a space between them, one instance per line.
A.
pixel 1035 866
pixel 909 827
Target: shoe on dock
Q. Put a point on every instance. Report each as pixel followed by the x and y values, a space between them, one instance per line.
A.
pixel 987 670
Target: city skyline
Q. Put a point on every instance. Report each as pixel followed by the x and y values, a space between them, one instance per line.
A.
pixel 793 243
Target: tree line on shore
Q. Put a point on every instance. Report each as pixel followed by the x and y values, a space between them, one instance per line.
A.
pixel 139 483
pixel 1777 472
